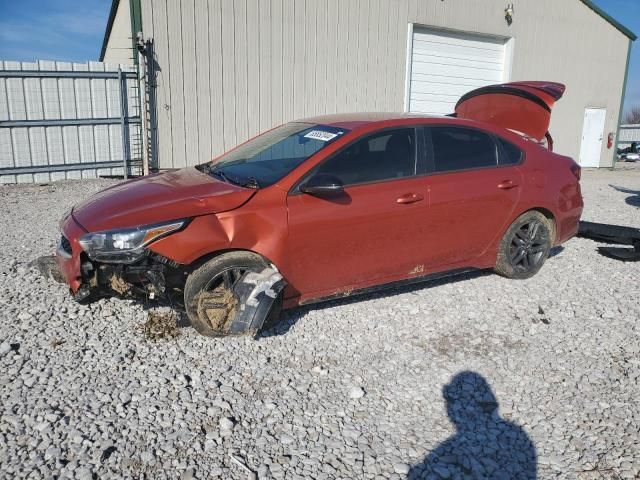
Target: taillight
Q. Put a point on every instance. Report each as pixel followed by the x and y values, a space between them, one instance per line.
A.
pixel 576 170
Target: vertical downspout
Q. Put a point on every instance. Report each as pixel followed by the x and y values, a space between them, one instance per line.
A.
pixel 135 11
pixel 624 94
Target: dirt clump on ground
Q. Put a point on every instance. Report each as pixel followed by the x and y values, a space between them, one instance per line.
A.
pixel 160 325
pixel 48 268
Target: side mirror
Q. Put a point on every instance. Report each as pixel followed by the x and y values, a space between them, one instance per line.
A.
pixel 322 185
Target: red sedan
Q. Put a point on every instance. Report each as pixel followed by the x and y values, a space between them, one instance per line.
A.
pixel 327 207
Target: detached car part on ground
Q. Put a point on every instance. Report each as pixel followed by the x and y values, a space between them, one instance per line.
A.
pixel 616 234
pixel 327 207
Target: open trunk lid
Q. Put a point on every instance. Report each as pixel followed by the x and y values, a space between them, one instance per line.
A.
pixel 524 107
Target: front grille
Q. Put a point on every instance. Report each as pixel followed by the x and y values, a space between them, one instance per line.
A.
pixel 65 245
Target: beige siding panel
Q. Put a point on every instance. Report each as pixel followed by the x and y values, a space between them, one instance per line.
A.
pixel 147 17
pixel 288 61
pixel 342 57
pixel 158 18
pixel 189 77
pixel 398 63
pixel 390 74
pixel 228 74
pixel 264 96
pixel 241 54
pixel 361 56
pixel 178 127
pixel 377 42
pixel 323 46
pixel 215 77
pixel 299 45
pixel 308 58
pixel 203 84
pixel 329 74
pixel 276 54
pixel 272 61
pixel 252 59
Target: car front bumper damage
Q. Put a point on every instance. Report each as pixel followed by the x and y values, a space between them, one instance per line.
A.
pixel 148 276
pixel 153 276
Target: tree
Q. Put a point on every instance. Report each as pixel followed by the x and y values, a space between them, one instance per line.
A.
pixel 632 117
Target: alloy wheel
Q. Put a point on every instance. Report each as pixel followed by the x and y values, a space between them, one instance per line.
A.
pixel 528 246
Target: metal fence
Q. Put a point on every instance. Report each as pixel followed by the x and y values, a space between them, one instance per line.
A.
pixel 68 120
pixel 628 134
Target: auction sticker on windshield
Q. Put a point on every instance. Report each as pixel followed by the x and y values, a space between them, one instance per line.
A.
pixel 320 135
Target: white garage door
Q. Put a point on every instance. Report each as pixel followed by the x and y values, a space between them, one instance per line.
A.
pixel 446 65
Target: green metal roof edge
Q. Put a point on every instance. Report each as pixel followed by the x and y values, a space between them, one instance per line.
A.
pixel 107 32
pixel 622 98
pixel 610 19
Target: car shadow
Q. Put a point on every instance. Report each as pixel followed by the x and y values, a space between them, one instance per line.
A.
pixel 174 301
pixel 485 445
pixel 633 199
pixel 555 251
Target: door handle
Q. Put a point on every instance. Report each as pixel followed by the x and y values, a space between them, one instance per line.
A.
pixel 507 184
pixel 410 198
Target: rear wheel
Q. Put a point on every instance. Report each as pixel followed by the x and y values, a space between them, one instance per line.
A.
pixel 208 294
pixel 525 246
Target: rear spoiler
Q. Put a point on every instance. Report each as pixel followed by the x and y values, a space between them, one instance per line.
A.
pixel 522 107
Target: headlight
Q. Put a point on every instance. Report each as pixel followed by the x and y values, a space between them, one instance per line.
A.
pixel 127 245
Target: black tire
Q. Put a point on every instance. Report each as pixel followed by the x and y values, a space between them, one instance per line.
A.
pixel 215 276
pixel 525 246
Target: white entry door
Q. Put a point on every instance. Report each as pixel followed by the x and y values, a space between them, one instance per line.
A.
pixel 592 135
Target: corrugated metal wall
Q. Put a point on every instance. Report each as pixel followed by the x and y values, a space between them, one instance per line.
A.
pixel 229 69
pixel 57 99
pixel 628 134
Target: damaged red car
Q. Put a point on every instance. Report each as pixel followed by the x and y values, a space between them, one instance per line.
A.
pixel 331 206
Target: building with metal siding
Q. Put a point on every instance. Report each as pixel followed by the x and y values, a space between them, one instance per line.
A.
pixel 118 39
pixel 225 70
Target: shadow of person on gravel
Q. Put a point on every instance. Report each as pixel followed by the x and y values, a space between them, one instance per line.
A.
pixel 484 445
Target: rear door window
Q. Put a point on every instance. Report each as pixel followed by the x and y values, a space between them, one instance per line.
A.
pixel 382 156
pixel 460 148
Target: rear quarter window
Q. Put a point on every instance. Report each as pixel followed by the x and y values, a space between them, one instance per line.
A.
pixel 460 148
pixel 510 154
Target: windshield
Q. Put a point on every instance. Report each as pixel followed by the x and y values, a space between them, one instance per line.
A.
pixel 267 158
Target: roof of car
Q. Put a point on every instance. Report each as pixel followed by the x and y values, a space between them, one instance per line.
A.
pixel 354 120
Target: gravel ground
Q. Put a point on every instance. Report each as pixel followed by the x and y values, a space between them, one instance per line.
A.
pixel 351 389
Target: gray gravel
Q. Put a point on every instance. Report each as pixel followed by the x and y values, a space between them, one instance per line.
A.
pixel 350 389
